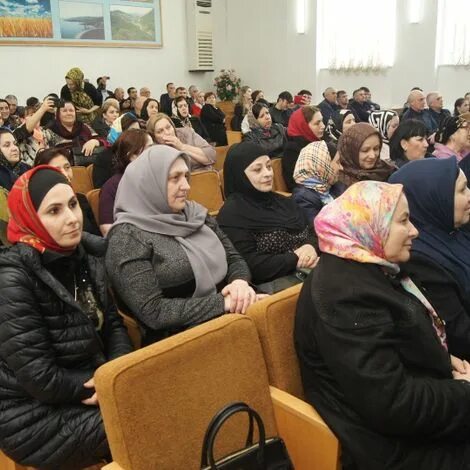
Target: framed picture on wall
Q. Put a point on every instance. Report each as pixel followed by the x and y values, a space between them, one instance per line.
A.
pixel 102 23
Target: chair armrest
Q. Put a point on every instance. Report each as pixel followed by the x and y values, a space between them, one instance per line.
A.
pixel 310 442
pixel 284 193
pixel 112 466
pixel 213 213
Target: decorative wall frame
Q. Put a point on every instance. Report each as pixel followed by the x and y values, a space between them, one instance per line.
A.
pixel 84 23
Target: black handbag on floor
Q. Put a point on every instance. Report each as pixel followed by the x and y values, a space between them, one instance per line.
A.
pixel 267 454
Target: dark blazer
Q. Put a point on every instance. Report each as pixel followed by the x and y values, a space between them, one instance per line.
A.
pixel 373 367
pixel 361 111
pixel 165 104
pixel 447 298
pixel 327 110
pixel 48 349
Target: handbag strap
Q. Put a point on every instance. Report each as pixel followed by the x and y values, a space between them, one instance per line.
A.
pixel 216 423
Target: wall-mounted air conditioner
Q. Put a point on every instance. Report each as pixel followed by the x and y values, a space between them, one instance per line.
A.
pixel 199 18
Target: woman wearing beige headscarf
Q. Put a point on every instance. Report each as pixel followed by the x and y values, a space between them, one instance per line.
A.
pixel 83 95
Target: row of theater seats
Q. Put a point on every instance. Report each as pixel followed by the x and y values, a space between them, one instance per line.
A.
pixel 206 186
pixel 157 401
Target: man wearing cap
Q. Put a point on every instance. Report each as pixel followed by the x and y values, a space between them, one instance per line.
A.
pixel 101 82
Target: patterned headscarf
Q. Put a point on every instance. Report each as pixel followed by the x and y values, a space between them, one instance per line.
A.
pixel 448 126
pixel 334 127
pixel 380 120
pixel 79 97
pixel 356 226
pixel 314 170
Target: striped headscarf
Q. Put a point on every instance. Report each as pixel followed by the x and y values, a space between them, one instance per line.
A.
pixel 380 120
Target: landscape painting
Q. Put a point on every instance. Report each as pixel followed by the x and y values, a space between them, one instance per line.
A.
pixel 25 19
pixel 81 20
pixel 132 23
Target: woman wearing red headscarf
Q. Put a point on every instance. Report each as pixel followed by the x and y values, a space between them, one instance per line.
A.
pixel 305 126
pixel 57 326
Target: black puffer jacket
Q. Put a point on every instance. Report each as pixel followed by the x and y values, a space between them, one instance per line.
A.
pixel 48 349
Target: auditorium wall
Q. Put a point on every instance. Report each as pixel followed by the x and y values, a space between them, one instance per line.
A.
pixel 258 38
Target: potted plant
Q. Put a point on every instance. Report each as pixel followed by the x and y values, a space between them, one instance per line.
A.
pixel 227 85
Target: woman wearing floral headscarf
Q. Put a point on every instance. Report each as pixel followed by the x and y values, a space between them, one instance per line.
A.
pixel 372 350
pixel 316 175
pixel 83 95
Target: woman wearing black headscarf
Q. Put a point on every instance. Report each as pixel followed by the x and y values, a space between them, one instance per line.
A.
pixel 267 229
pixel 11 166
pixel 439 201
pixel 58 324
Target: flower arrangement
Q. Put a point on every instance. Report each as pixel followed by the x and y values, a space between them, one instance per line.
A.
pixel 227 85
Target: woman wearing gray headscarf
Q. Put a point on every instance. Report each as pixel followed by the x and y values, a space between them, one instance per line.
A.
pixel 170 264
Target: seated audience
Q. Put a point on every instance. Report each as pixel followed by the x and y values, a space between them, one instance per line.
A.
pixel 271 137
pixel 199 101
pixel 452 137
pixel 328 106
pixel 11 166
pixel 372 350
pixel 167 98
pixel 416 104
pixel 342 99
pixel 386 122
pixel 83 95
pixel 12 101
pixel 66 131
pixel 359 106
pixel 372 106
pixel 213 119
pixel 359 149
pixel 305 126
pixel 184 139
pixel 316 175
pixel 461 106
pixel 182 118
pixel 6 119
pixel 109 112
pixel 58 158
pixel 169 262
pixel 145 92
pixel 57 326
pixel 4 217
pixel 137 108
pixel 338 123
pixel 119 94
pixel 246 123
pixel 257 95
pixel 191 99
pixel 103 165
pixel 436 109
pixel 101 83
pixel 269 230
pixel 150 107
pixel 126 149
pixel 302 98
pixel 241 108
pixel 439 201
pixel 132 97
pixel 408 142
pixel 280 112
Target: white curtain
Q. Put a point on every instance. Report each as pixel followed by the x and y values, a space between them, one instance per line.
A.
pixel 453 32
pixel 356 34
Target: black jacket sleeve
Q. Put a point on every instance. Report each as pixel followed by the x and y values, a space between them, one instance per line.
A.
pixel 443 293
pixel 367 364
pixel 25 345
pixel 263 266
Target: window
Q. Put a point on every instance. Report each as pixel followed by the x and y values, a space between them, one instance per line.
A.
pixel 356 35
pixel 453 33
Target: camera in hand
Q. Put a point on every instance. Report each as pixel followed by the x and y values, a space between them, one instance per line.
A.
pixel 58 102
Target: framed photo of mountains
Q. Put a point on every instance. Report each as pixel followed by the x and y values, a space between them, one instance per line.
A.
pixel 103 23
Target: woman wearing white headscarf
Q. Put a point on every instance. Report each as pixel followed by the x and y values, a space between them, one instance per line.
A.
pixel 169 263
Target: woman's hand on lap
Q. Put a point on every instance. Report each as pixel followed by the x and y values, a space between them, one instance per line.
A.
pixel 89 146
pixel 307 255
pixel 238 296
pixel 93 400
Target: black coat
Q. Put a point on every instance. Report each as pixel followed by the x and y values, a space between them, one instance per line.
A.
pixel 103 168
pixel 48 349
pixel 447 298
pixel 214 121
pixel 376 372
pixel 289 158
pixel 8 178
